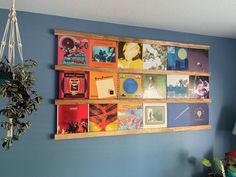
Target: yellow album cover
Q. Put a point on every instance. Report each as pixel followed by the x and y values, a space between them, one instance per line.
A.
pixel 103 85
pixel 130 86
pixel 130 55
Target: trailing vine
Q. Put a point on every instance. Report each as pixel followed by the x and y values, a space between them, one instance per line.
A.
pixel 21 99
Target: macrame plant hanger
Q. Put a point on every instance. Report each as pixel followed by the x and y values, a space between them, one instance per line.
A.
pixel 13 33
pixel 12 29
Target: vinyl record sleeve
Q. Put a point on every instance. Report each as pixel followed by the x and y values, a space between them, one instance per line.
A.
pixel 72 119
pixel 130 116
pixel 103 53
pixel 130 55
pixel 73 50
pixel 73 84
pixel 103 85
pixel 154 57
pixel 154 115
pixel 130 86
pixel 102 117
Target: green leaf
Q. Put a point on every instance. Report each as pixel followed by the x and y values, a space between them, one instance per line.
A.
pixel 232 169
pixel 206 163
pixel 217 163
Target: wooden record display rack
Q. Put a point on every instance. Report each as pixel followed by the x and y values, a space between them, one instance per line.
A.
pixel 130 100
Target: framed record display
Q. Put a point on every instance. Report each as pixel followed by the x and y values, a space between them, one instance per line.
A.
pixel 73 50
pixel 114 85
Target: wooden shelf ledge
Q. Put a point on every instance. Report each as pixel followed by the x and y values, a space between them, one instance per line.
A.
pixel 132 71
pixel 130 132
pixel 116 101
pixel 129 39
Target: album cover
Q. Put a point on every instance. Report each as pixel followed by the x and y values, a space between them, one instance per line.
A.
pixel 181 114
pixel 72 119
pixel 154 57
pixel 178 114
pixel 104 53
pixel 154 115
pixel 177 86
pixel 102 117
pixel 73 50
pixel 199 114
pixel 198 60
pixel 199 87
pixel 130 55
pixel 130 116
pixel 130 86
pixel 73 84
pixel 177 58
pixel 154 86
pixel 103 85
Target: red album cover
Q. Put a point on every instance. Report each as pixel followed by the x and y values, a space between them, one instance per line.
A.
pixel 73 84
pixel 73 50
pixel 72 119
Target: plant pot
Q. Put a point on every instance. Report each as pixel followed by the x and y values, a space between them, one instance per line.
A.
pixel 4 76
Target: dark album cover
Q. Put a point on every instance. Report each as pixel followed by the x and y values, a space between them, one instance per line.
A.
pixel 177 58
pixel 199 87
pixel 73 84
pixel 198 60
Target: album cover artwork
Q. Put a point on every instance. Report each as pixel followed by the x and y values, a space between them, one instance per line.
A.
pixel 130 86
pixel 73 84
pixel 177 86
pixel 130 116
pixel 178 114
pixel 72 119
pixel 104 53
pixel 177 58
pixel 73 50
pixel 102 117
pixel 130 55
pixel 154 115
pixel 154 57
pixel 199 87
pixel 154 86
pixel 199 114
pixel 103 85
pixel 198 60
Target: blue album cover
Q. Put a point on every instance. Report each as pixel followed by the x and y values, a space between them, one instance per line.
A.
pixel 177 58
pixel 178 114
pixel 199 114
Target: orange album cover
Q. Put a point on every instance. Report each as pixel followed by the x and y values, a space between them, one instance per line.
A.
pixel 103 53
pixel 103 85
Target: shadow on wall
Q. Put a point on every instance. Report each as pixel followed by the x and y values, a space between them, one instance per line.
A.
pixel 224 140
pixel 189 165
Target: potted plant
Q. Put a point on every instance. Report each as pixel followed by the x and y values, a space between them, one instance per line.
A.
pixel 216 167
pixel 231 171
pixel 21 99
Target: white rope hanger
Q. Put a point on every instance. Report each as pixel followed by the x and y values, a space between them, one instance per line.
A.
pixel 14 33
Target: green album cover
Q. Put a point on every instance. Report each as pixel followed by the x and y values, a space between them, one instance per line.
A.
pixel 154 86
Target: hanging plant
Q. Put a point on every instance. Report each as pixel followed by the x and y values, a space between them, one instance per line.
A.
pixel 16 84
pixel 21 97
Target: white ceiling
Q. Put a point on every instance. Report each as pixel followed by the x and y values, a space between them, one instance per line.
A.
pixel 208 17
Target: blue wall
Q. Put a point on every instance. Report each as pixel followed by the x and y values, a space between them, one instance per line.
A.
pixel 149 155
